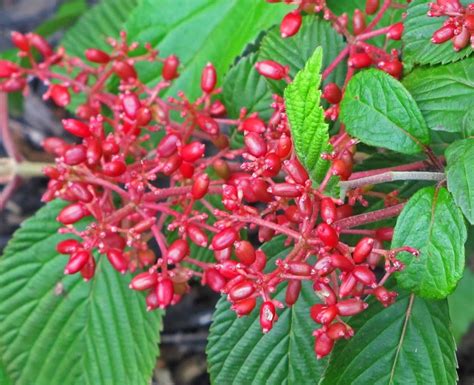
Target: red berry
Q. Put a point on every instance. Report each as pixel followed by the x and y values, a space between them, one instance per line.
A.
pixel 347 285
pixel 227 268
pixel 208 78
pixel 68 246
pixel 124 70
pixel 296 171
pixel 332 93
pixel 143 281
pixel 168 145
pixel 254 125
pixel 214 280
pixel 323 314
pixel 260 261
pixel 224 239
pixel 293 291
pixel 20 41
pixel 193 151
pixel 395 32
pixel 328 210
pixel 88 270
pixel 267 316
pixel 245 252
pixel 131 104
pixel 77 261
pixel 207 124
pixel 342 169
pixel 323 345
pixel 93 152
pixel 244 306
pixel 284 146
pixel 55 146
pixel 271 69
pixel 117 260
pixel 164 292
pixel 341 262
pixel 364 275
pixel 40 43
pixel 350 307
pixel 80 191
pixel 97 56
pixel 170 68
pixel 60 95
pixel 13 85
pixel 384 234
pixel 469 22
pixel 114 168
pixel 384 296
pixel 358 22
pixel 242 291
pixel 443 34
pixel 359 60
pixel 7 68
pixel 363 249
pixel 290 24
pixel 462 39
pixel 144 116
pixel 200 186
pixel 110 147
pixel 177 251
pixel 338 330
pixel 255 144
pixel 72 214
pixel 325 291
pixel 328 235
pixel 285 190
pixel 76 127
pixel 371 6
pixel 393 67
pixel 217 108
pixel 151 301
pixel 197 235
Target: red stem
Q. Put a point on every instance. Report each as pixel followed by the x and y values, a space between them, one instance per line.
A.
pixel 373 216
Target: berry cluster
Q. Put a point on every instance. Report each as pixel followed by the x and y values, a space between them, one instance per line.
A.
pixel 458 27
pixel 193 188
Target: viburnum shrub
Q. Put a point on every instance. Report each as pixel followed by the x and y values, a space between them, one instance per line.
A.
pixel 150 181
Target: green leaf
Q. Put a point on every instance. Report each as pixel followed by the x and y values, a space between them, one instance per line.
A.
pixel 419 29
pixel 460 158
pixel 57 329
pixel 379 111
pixel 244 87
pixel 295 51
pixel 410 342
pixel 200 31
pixel 66 14
pixel 239 353
pixel 445 95
pixel 104 20
pixel 431 223
pixel 306 117
pixel 460 305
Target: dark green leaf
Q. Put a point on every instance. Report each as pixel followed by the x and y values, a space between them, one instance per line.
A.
pixel 445 95
pixel 200 31
pixel 460 159
pixel 419 29
pixel 431 223
pixel 306 117
pixel 379 111
pixel 244 87
pixel 60 330
pixel 239 353
pixel 66 14
pixel 296 50
pixel 106 19
pixel 461 306
pixel 409 342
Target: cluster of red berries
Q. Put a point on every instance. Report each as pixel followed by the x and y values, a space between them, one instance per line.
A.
pixel 458 27
pixel 135 193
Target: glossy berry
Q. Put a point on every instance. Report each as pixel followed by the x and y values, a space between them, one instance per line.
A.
pixel 393 67
pixel 395 32
pixel 350 307
pixel 323 345
pixel 97 56
pixel 358 22
pixel 245 252
pixel 72 214
pixel 208 78
pixel 341 262
pixel 170 68
pixel 114 168
pixel 332 93
pixel 363 249
pixel 197 235
pixel 242 291
pixel 271 69
pixel 285 190
pixel 293 291
pixel 214 280
pixel 68 246
pixel 117 260
pixel 328 235
pixel 125 71
pixel 143 281
pixel 364 275
pixel 371 6
pixel 60 95
pixel 255 144
pixel 267 316
pixel 193 151
pixel 384 234
pixel 244 306
pixel 224 239
pixel 359 60
pixel 77 261
pixel 254 125
pixel 76 127
pixel 290 24
pixel 164 292
pixel 177 251
pixel 131 104
pixel 384 296
pixel 443 34
pixel 200 186
pixel 20 41
pixel 296 170
pixel 328 210
pixel 323 314
pixel 40 43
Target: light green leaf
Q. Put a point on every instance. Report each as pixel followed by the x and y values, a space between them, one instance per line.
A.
pixel 295 51
pixel 419 29
pixel 410 342
pixel 239 353
pixel 60 330
pixel 200 31
pixel 460 159
pixel 461 306
pixel 306 117
pixel 66 14
pixel 244 87
pixel 445 95
pixel 379 111
pixel 431 223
